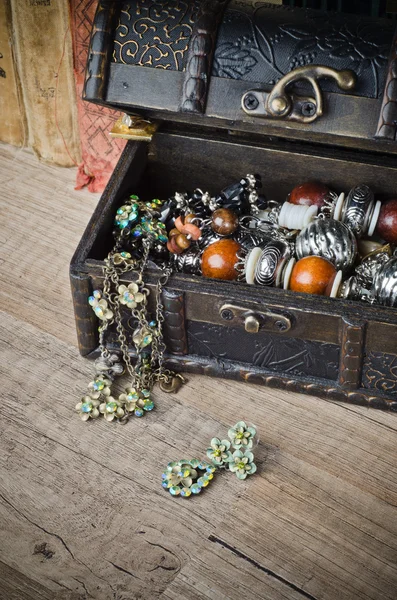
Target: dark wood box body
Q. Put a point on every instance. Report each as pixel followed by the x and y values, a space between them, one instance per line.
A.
pixel 335 349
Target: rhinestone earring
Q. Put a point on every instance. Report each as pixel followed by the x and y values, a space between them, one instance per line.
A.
pixel 187 477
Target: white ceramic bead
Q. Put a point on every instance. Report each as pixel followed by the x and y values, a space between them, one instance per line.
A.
pixel 374 218
pixel 252 259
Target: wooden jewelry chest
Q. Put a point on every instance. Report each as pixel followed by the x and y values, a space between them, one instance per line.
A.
pixel 203 70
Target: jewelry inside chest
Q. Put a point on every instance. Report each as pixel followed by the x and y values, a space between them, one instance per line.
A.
pixel 311 344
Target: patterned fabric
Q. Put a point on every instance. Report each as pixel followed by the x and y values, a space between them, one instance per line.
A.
pixel 100 152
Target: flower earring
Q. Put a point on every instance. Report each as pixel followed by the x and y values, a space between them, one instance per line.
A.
pixel 187 477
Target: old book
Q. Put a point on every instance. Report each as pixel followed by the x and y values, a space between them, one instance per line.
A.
pixel 100 152
pixel 43 53
pixel 13 121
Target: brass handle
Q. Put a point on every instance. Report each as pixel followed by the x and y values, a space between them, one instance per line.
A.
pixel 279 104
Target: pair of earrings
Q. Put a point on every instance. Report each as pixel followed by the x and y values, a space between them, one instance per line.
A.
pixel 187 477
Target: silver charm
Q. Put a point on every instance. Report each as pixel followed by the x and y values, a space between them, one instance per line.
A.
pixel 330 239
pixel 250 238
pixel 354 289
pixel 187 262
pixel 109 365
pixel 357 209
pixel 385 283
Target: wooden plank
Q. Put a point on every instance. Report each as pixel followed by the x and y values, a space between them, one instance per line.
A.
pixel 42 219
pixel 82 511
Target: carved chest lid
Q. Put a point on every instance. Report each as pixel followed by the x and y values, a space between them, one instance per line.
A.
pixel 249 66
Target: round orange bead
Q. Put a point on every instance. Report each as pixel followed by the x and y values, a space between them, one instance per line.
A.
pixel 312 275
pixel 219 259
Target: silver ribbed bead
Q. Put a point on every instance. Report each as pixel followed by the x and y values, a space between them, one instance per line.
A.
pixel 188 261
pixel 270 262
pixel 358 208
pixel 385 284
pixel 330 239
pixel 249 239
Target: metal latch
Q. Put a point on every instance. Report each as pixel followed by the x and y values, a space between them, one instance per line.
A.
pixel 278 104
pixel 133 127
pixel 254 321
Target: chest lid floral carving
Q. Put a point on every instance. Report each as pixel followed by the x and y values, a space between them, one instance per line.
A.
pixel 261 42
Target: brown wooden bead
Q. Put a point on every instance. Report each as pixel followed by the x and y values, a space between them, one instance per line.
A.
pixel 312 275
pixel 173 232
pixel 224 221
pixel 219 259
pixel 387 222
pixel 189 218
pixel 311 193
pixel 182 241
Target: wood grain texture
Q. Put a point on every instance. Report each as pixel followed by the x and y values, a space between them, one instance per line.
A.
pixel 82 511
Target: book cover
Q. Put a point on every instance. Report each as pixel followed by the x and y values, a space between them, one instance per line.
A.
pixel 44 58
pixel 13 121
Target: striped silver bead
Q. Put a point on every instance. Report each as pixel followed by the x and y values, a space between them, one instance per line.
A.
pixel 357 209
pixel 270 263
pixel 330 239
pixel 385 283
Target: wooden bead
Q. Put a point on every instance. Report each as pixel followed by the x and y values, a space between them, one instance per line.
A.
pixel 219 259
pixel 387 222
pixel 311 193
pixel 224 221
pixel 312 275
pixel 190 217
pixel 182 241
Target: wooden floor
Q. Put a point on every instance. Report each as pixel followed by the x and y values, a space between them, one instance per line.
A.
pixel 82 511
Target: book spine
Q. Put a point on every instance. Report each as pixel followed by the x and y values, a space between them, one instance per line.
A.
pixel 44 58
pixel 13 129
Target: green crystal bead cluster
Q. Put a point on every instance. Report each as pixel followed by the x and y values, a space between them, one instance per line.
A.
pixel 141 218
pixel 182 478
pixel 128 213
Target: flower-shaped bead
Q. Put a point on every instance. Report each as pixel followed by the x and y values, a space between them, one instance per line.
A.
pixel 100 306
pixel 88 408
pixel 180 473
pixel 111 409
pixel 242 464
pixel 241 436
pixel 122 258
pixel 127 214
pixel 99 387
pixel 219 452
pixel 136 402
pixel 130 295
